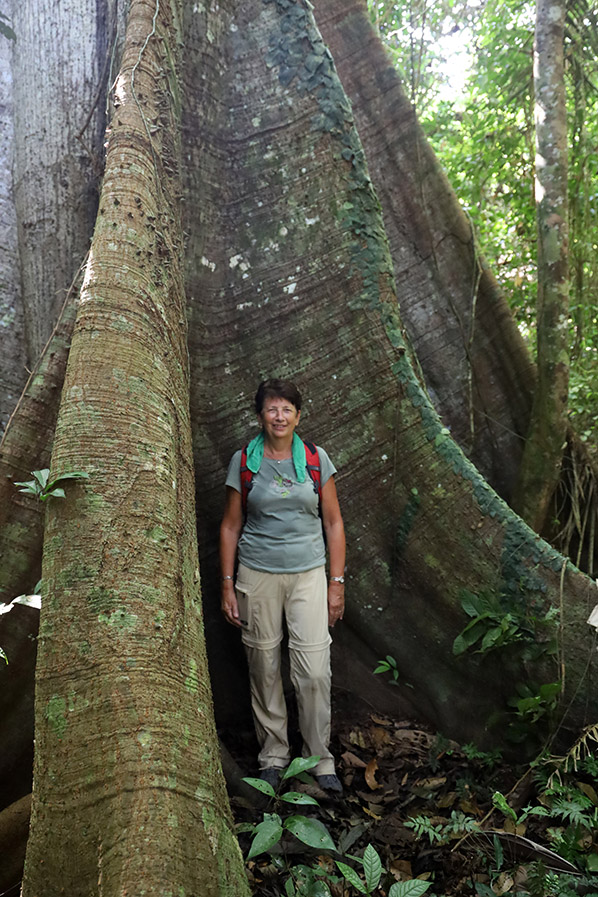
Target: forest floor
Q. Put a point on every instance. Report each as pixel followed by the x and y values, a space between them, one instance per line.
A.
pixel 395 771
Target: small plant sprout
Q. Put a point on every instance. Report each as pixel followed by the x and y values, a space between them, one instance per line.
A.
pixel 42 488
pixel 388 665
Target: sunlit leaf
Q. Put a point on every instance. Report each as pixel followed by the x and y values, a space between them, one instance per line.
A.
pixel 298 765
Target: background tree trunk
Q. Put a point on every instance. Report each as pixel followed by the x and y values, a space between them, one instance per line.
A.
pixel 541 462
pixel 129 795
pixel 59 125
pixel 26 446
pixel 12 358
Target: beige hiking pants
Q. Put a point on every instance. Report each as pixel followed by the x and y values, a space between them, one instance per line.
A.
pixel 303 599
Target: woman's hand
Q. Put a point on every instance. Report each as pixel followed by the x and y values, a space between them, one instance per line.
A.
pixel 229 605
pixel 336 602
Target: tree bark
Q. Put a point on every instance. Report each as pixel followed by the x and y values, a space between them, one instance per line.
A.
pixel 12 358
pixel 59 124
pixel 26 446
pixel 128 791
pixel 541 462
pixel 477 369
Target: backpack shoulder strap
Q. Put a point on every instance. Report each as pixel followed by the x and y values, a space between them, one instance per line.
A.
pixel 312 459
pixel 246 479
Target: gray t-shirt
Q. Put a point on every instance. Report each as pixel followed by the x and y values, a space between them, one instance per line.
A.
pixel 283 531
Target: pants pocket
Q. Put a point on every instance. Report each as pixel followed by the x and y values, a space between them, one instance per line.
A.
pixel 243 604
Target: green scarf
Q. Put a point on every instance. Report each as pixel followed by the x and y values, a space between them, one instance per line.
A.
pixel 255 454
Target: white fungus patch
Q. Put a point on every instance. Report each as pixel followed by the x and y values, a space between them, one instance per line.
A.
pixel 310 221
pixel 208 264
pixel 290 288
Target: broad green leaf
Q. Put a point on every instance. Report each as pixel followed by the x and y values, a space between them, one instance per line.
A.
pixel 295 797
pixel 29 486
pixel 42 476
pixel 499 801
pixel 592 861
pixel 260 785
pixel 413 888
pixel 310 831
pixel 267 834
pixel 498 852
pixel 351 876
pixel 491 638
pixel 289 888
pixel 299 764
pixel 7 31
pixel 382 667
pixel 54 493
pixel 244 827
pixel 73 475
pixel 372 867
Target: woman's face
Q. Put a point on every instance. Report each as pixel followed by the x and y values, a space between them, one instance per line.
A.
pixel 278 417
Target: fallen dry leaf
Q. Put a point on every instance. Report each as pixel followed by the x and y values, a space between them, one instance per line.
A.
pixel 431 784
pixel 401 870
pixel 370 775
pixel 352 760
pixel 381 720
pixel 371 813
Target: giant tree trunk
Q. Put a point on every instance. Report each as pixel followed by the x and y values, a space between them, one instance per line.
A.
pixel 476 367
pixel 541 462
pixel 289 274
pixel 475 364
pixel 128 792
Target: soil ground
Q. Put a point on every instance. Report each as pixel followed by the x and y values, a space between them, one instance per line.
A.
pixel 393 770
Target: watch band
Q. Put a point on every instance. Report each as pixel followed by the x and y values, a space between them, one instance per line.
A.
pixel 337 578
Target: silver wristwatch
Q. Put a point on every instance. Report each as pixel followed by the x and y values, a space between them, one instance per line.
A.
pixel 337 579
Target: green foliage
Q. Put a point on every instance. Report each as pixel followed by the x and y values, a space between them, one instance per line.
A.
pixel 484 138
pixel 389 665
pixel 3 656
pixel 497 620
pixel 42 488
pixel 535 701
pixel 456 826
pixel 306 881
pixel 485 758
pixel 5 29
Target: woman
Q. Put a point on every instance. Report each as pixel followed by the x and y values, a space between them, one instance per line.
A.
pixel 272 516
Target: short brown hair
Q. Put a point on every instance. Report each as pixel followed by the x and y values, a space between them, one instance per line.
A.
pixel 277 389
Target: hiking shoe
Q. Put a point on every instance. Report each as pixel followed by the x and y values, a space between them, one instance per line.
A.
pixel 330 783
pixel 271 775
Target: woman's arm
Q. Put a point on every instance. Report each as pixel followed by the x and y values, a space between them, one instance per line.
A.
pixel 335 537
pixel 230 530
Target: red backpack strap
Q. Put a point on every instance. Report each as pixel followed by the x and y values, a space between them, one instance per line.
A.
pixel 312 459
pixel 246 479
